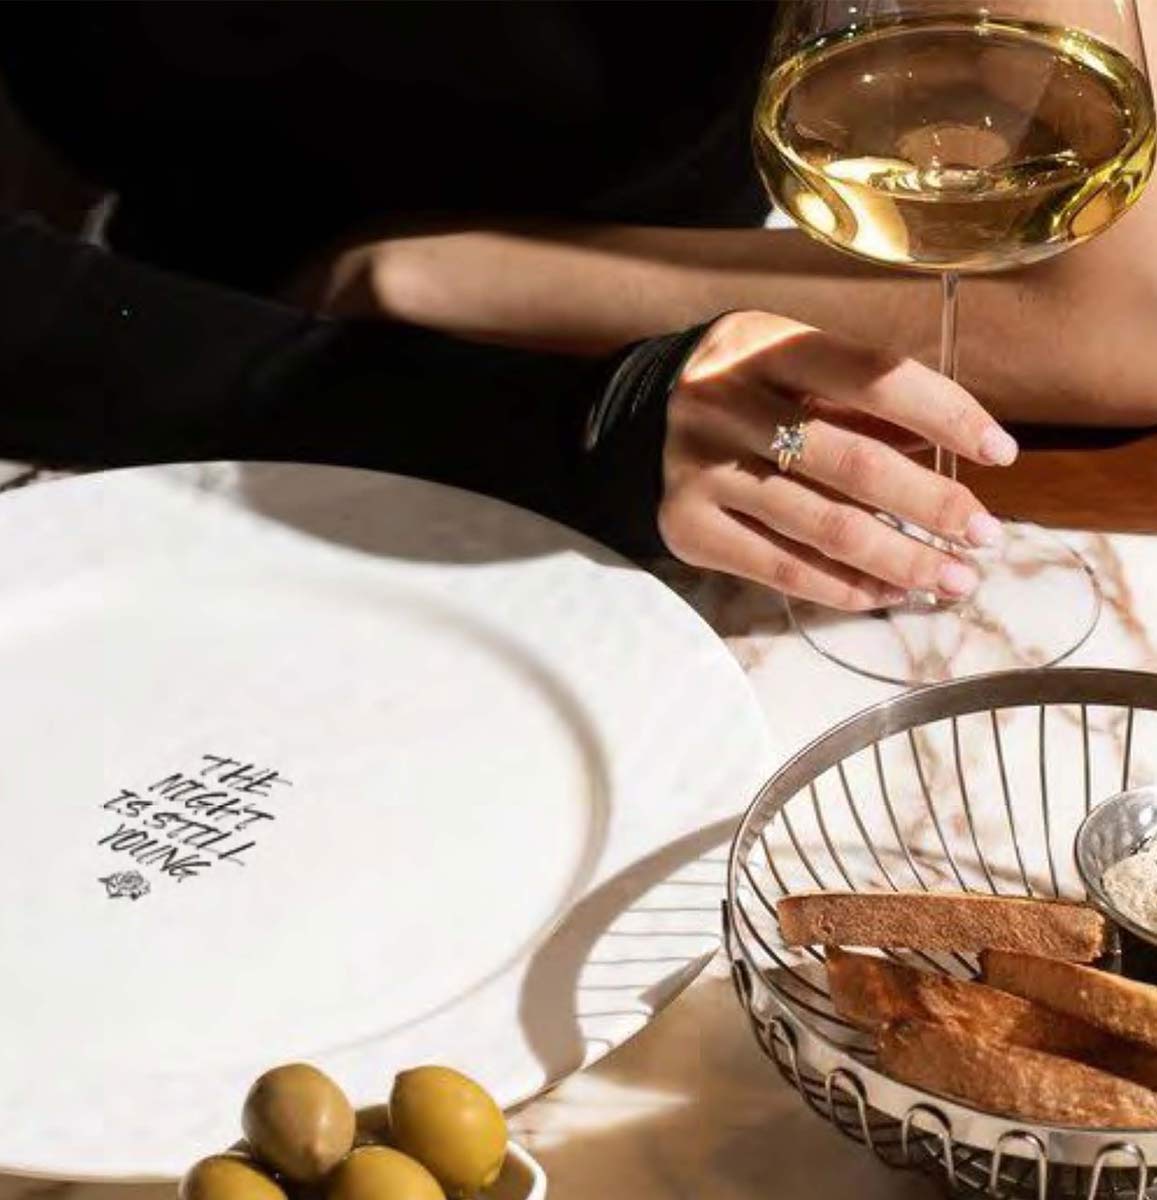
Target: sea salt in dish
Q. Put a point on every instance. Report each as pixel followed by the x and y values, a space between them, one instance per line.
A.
pixel 1131 885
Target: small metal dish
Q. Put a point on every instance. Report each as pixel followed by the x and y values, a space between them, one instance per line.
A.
pixel 1115 829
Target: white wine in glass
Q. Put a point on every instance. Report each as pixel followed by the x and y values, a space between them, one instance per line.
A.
pixel 955 137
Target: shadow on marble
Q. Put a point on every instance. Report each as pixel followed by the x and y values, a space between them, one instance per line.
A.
pixel 691 1108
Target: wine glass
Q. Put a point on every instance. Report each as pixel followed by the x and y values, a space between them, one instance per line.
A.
pixel 952 136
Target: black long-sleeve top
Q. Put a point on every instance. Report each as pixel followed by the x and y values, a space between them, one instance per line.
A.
pixel 242 138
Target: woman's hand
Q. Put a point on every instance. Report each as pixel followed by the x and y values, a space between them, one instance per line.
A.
pixel 811 532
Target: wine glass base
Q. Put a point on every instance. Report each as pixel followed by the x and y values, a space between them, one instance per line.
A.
pixel 1038 602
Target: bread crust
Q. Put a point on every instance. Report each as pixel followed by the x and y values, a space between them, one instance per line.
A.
pixel 944 921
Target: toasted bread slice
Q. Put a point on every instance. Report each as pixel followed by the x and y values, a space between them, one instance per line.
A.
pixel 1012 1080
pixel 943 921
pixel 1122 1006
pixel 871 992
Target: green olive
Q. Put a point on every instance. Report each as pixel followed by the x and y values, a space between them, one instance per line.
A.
pixel 379 1173
pixel 228 1177
pixel 373 1126
pixel 451 1126
pixel 298 1122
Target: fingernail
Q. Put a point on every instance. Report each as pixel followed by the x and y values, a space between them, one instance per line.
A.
pixel 998 447
pixel 958 579
pixel 891 598
pixel 983 529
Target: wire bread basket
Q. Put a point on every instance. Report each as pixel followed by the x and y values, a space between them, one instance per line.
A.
pixel 975 785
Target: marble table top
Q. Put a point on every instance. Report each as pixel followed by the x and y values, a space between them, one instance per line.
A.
pixel 690 1108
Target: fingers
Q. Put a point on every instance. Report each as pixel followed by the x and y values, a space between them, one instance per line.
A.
pixel 812 534
pixel 882 478
pixel 900 439
pixel 865 469
pixel 900 391
pixel 704 535
pixel 846 533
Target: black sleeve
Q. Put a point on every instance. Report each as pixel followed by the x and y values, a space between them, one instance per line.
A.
pixel 104 361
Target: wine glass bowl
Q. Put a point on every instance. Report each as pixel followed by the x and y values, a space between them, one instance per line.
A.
pixel 953 137
pixel 955 143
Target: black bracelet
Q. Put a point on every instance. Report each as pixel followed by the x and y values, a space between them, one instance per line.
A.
pixel 624 440
pixel 646 372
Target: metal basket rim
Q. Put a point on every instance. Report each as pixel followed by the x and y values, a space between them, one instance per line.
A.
pixel 890 716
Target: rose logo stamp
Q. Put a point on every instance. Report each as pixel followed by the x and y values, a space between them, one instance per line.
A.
pixel 126 883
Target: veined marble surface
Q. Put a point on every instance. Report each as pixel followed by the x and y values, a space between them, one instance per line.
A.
pixel 690 1108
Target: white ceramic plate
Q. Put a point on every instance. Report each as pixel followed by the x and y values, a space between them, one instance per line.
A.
pixel 304 763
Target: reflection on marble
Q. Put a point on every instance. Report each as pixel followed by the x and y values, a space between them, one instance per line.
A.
pixel 690 1108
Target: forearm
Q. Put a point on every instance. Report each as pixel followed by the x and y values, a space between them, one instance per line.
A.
pixel 1067 340
pixel 104 361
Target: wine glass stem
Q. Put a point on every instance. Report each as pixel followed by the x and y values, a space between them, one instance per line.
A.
pixel 949 290
pixel 944 460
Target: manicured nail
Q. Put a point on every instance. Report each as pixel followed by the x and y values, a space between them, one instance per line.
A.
pixel 958 579
pixel 983 529
pixel 998 447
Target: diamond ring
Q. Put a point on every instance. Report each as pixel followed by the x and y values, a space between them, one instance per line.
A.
pixel 788 444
